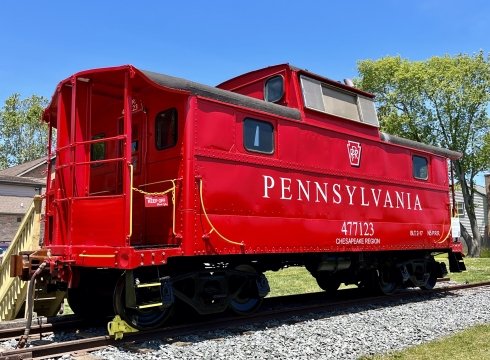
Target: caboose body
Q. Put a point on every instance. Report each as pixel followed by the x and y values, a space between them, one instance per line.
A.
pixel 168 190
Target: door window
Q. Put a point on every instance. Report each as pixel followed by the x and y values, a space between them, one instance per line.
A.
pixel 166 129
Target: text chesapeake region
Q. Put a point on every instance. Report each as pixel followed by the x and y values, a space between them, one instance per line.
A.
pixel 357 241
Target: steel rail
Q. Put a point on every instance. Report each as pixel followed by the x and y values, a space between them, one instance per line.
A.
pixel 41 326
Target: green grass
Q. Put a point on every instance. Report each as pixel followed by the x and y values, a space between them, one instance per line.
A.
pixel 485 253
pixel 477 270
pixel 470 344
pixel 289 281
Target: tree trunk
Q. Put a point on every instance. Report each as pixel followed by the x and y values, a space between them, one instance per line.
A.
pixel 468 239
pixel 474 245
pixel 474 250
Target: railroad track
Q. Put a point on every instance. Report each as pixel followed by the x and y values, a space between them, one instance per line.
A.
pixel 41 326
pixel 276 309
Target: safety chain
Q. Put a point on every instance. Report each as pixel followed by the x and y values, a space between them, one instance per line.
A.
pixel 161 193
pixel 155 193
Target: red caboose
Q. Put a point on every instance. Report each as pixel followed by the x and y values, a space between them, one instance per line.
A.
pixel 170 190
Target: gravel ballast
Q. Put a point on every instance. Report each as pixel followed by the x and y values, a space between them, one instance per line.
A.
pixel 346 334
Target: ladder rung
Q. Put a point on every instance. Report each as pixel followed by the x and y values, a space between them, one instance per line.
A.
pixel 148 285
pixel 148 305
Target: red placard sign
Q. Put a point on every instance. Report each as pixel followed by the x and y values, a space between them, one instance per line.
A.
pixel 156 200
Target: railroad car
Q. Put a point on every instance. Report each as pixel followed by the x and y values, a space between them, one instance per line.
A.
pixel 168 191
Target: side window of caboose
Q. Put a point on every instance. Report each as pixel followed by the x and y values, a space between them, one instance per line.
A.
pixel 258 136
pixel 97 150
pixel 341 102
pixel 166 129
pixel 420 167
pixel 274 89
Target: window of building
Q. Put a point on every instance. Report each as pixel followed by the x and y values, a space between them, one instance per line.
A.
pixel 258 136
pixel 420 167
pixel 97 150
pixel 460 208
pixel 166 129
pixel 274 89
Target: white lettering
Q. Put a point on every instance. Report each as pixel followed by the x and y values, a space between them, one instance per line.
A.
pixel 322 193
pixel 416 205
pixel 351 194
pixel 268 184
pixel 302 189
pixel 399 200
pixel 284 188
pixel 363 203
pixel 376 198
pixel 338 198
pixel 388 200
pixel 338 194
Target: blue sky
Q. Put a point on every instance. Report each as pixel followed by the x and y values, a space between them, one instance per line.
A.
pixel 43 42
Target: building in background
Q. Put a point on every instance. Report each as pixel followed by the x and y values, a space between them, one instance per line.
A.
pixel 18 185
pixel 481 204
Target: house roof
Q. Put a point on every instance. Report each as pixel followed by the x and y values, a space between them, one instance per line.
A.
pixel 15 204
pixel 480 190
pixel 21 169
pixel 18 180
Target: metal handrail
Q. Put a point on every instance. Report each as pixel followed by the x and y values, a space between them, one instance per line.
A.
pixel 89 142
pixel 91 162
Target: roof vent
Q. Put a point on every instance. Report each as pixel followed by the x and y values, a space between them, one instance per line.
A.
pixel 348 82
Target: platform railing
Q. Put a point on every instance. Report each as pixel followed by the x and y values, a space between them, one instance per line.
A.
pixel 62 151
pixel 13 290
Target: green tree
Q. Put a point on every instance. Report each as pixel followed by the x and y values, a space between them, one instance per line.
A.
pixel 23 136
pixel 442 101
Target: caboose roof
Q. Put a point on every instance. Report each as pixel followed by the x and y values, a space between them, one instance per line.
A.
pixel 113 79
pixel 113 76
pixel 220 95
pixel 291 69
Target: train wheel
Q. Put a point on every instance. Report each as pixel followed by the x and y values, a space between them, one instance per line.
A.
pixel 244 299
pixel 142 319
pixel 328 283
pixel 431 282
pixel 387 283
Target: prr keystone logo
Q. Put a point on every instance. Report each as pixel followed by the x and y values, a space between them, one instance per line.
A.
pixel 354 151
